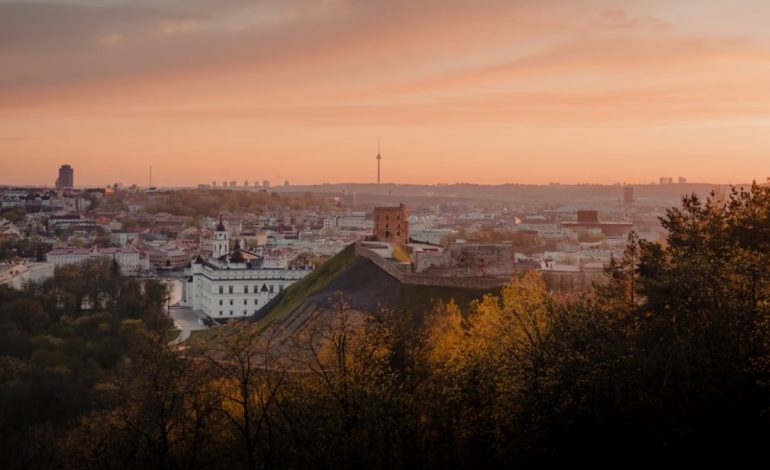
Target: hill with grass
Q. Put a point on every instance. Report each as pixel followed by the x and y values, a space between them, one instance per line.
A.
pixel 362 285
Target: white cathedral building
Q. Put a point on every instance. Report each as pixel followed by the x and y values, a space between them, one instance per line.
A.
pixel 237 283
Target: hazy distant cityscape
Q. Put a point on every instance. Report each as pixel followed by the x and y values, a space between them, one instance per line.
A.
pixel 557 228
pixel 573 230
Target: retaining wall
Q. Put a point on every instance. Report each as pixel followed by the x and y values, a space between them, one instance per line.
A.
pixel 556 280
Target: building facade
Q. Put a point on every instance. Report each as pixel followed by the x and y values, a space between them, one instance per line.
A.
pixel 350 221
pixel 237 283
pixel 588 221
pixel 130 260
pixel 391 224
pixel 162 259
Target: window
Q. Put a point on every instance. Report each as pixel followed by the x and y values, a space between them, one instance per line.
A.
pixel 256 301
pixel 256 288
pixel 220 301
pixel 271 288
pixel 231 289
pixel 221 290
pixel 231 312
pixel 245 289
pixel 245 302
pixel 220 313
pixel 280 288
pixel 231 301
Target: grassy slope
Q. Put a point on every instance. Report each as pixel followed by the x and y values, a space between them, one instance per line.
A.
pixel 414 299
pixel 420 299
pixel 315 281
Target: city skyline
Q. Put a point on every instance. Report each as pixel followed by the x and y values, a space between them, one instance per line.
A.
pixel 66 172
pixel 227 183
pixel 531 92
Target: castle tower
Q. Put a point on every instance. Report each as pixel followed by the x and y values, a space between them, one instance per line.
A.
pixel 221 244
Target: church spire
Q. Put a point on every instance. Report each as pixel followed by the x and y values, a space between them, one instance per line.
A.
pixel 221 242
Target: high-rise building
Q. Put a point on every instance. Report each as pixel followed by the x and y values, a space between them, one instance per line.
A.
pixel 628 195
pixel 627 205
pixel 347 199
pixel 66 177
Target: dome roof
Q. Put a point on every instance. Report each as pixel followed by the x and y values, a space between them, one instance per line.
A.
pixel 237 256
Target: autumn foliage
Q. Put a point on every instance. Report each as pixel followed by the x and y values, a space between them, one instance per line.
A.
pixel 665 364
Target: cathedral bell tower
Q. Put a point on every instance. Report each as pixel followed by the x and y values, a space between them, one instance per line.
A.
pixel 221 244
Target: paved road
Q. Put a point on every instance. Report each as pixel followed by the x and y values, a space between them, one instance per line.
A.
pixel 17 276
pixel 186 321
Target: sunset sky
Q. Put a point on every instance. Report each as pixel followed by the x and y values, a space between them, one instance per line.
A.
pixel 486 91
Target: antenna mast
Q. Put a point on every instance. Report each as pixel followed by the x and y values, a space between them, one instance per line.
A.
pixel 379 157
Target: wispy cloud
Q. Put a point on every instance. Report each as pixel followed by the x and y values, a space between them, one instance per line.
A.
pixel 352 64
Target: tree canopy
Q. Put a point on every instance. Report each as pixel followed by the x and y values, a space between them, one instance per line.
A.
pixel 664 364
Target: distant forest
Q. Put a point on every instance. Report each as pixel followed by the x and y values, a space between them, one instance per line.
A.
pixel 210 203
pixel 666 364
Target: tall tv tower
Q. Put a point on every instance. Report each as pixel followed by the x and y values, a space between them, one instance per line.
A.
pixel 379 157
